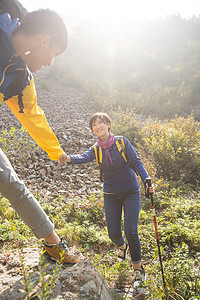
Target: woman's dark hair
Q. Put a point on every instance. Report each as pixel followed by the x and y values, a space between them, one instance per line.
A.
pixel 46 21
pixel 103 116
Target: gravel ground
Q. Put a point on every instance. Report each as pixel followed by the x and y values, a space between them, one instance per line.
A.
pixel 67 110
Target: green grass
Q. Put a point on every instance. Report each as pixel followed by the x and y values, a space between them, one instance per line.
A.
pixel 83 224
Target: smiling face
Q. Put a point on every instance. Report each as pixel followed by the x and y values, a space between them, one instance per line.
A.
pixel 101 129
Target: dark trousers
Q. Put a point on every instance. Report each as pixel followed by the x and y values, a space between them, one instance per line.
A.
pixel 130 202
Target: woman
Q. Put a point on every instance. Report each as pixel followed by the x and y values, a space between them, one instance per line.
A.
pixel 25 47
pixel 120 188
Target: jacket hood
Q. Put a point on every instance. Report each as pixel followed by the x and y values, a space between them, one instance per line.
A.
pixel 14 74
pixel 7 24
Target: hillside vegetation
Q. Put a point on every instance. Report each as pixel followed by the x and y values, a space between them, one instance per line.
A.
pixel 140 71
pixel 153 66
pixel 171 157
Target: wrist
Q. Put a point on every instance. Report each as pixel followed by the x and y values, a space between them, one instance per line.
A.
pixel 69 159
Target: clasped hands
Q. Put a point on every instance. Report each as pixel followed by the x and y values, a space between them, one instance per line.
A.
pixel 64 158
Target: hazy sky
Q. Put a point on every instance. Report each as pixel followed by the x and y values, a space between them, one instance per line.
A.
pixel 118 10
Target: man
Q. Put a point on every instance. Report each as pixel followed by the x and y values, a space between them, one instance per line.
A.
pixel 24 48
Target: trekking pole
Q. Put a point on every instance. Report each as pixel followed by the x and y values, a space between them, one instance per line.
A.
pixel 148 181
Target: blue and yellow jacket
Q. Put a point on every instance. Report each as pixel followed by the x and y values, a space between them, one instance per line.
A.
pixel 18 90
pixel 119 177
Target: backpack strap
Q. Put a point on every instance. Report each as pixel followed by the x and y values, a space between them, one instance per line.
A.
pixel 98 155
pixel 20 103
pixel 121 147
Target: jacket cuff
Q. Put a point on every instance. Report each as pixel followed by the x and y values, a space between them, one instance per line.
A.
pixel 57 155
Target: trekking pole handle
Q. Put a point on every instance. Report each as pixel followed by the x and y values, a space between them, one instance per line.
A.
pixel 147 182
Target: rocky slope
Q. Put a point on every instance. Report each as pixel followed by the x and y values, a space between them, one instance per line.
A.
pixel 67 111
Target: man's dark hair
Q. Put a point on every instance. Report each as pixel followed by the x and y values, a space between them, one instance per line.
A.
pixel 45 21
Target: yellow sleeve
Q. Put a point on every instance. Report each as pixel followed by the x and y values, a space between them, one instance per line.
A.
pixel 34 120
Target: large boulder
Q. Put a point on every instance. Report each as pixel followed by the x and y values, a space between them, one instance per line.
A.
pixel 80 281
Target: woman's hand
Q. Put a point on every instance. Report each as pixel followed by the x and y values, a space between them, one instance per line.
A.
pixel 150 188
pixel 69 159
pixel 65 158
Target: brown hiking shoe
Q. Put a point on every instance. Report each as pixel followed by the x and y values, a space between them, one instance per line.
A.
pixel 60 252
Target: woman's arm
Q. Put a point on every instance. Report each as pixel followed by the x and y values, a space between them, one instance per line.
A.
pixel 134 160
pixel 85 157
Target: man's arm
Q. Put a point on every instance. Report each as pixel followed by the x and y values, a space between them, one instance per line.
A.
pixel 14 8
pixel 34 120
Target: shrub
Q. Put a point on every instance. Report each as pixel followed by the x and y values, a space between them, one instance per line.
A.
pixel 174 146
pixel 169 149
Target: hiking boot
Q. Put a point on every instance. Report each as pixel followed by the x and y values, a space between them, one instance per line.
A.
pixel 123 252
pixel 139 282
pixel 60 252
